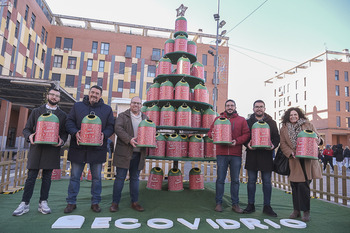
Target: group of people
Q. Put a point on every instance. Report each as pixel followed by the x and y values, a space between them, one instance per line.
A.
pixel 130 158
pixel 335 153
pixel 302 171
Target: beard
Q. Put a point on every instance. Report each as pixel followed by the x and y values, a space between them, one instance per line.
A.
pixel 52 102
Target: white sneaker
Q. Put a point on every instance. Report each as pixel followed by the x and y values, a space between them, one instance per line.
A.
pixel 21 209
pixel 44 208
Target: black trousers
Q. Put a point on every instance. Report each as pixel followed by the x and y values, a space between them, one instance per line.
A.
pixel 301 195
pixel 328 159
pixel 30 183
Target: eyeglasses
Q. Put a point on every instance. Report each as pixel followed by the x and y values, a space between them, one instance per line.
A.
pixel 52 94
pixel 136 103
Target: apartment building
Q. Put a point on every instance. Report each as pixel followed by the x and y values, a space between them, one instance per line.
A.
pixel 319 86
pixel 76 53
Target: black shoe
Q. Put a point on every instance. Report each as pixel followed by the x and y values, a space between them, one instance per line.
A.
pixel 250 209
pixel 269 211
pixel 70 208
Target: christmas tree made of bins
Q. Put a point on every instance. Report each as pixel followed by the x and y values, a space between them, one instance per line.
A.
pixel 178 100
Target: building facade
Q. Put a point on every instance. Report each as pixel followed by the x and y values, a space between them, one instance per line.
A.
pixel 78 53
pixel 319 86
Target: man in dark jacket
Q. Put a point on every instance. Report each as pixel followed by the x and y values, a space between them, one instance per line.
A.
pixel 128 157
pixel 42 156
pixel 261 160
pixel 79 155
pixel 230 156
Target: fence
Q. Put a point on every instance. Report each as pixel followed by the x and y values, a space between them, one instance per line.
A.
pixel 332 187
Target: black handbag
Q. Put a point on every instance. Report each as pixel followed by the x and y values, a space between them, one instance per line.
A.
pixel 281 163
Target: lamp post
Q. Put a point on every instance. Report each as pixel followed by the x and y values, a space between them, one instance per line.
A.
pixel 216 57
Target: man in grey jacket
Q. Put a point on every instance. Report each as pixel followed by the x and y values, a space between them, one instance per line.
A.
pixel 128 157
pixel 42 156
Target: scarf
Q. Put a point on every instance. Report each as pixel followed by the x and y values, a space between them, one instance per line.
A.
pixel 294 130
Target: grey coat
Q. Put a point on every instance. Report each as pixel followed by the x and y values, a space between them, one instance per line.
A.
pixel 43 156
pixel 124 150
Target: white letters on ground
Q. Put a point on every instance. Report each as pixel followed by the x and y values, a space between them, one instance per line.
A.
pixel 76 221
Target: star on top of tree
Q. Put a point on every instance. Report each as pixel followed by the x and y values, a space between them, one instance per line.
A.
pixel 181 10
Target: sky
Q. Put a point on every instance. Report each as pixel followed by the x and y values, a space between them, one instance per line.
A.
pixel 267 37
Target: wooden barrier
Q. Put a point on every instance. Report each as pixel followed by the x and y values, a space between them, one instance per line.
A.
pixel 332 187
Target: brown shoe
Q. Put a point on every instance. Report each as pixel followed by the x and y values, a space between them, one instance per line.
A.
pixel 69 208
pixel 136 206
pixel 96 208
pixel 295 214
pixel 237 209
pixel 218 208
pixel 306 216
pixel 114 207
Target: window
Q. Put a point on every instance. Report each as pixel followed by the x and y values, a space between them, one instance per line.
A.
pixel 156 54
pixel 121 67
pixel 46 37
pixel 94 47
pixel 347 106
pixel 288 86
pixel 204 59
pixel 346 76
pixel 338 121
pixel 57 61
pixel 1 69
pixel 26 13
pixel 337 91
pixel 72 63
pixel 41 73
pixel 296 98
pixel 17 29
pixel 304 95
pixel 138 52
pixel 336 74
pixel 104 48
pixel 70 80
pixel 29 39
pixel 205 76
pixel 128 51
pixel 43 34
pixel 134 69
pixel 120 85
pixel 101 66
pixel 87 82
pixel 347 91
pixel 151 71
pixel 37 50
pixel 337 106
pixel 34 71
pixel 13 54
pixel 68 43
pixel 132 86
pixel 305 82
pixel 3 49
pixel 25 64
pixel 348 121
pixel 15 3
pixel 32 21
pixel 8 18
pixel 56 77
pixel 89 64
pixel 42 55
pixel 58 42
pixel 296 85
pixel 99 82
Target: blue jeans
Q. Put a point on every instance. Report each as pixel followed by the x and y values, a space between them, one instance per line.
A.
pixel 30 183
pixel 74 183
pixel 134 174
pixel 222 163
pixel 266 186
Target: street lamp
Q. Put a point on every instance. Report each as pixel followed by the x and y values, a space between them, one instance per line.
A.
pixel 216 57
